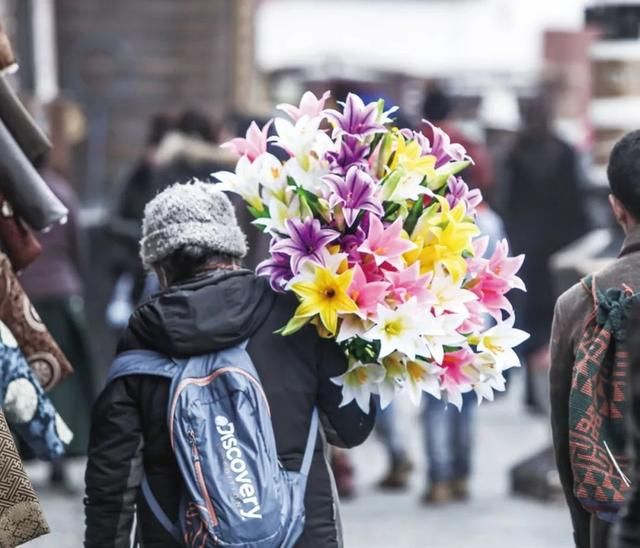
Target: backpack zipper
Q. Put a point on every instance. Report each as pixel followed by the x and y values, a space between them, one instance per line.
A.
pixel 202 485
pixel 203 381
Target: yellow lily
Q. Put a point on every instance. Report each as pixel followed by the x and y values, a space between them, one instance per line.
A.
pixel 409 157
pixel 442 238
pixel 326 296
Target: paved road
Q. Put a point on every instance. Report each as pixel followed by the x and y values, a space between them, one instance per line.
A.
pixel 492 519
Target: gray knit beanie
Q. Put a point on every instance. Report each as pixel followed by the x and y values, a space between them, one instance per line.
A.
pixel 193 213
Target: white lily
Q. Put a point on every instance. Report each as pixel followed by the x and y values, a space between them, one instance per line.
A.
pixel 359 382
pixel 245 182
pixel 272 175
pixel 310 178
pixel 486 376
pixel 398 329
pixel 422 376
pixel 279 212
pixel 331 261
pixel 394 379
pixel 500 340
pixel 441 331
pixel 409 188
pixel 302 137
pixel 450 296
pixel 352 326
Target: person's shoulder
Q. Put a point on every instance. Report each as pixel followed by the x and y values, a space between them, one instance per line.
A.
pixel 572 304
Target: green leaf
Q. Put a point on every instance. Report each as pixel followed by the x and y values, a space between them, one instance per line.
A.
pixel 414 215
pixel 293 325
pixel 391 184
pixel 258 214
pixel 444 172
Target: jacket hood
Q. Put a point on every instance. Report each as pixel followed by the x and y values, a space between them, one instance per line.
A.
pixel 207 313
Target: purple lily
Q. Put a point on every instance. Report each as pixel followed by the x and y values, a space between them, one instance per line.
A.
pixel 352 152
pixel 459 192
pixel 356 119
pixel 442 147
pixel 278 269
pixel 355 192
pixel 349 243
pixel 306 242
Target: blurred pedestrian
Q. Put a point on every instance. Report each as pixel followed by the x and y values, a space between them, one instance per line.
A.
pixel 190 151
pixel 588 364
pixel 544 211
pixel 448 431
pixel 209 303
pixel 126 225
pixel 54 283
pixel 395 445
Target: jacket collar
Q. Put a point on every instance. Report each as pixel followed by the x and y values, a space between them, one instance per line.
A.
pixel 631 242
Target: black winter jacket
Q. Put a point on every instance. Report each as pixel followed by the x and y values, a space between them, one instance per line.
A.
pixel 129 424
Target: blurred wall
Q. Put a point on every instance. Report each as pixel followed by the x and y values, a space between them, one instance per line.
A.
pixel 125 60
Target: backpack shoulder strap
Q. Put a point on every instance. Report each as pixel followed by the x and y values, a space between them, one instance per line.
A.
pixel 141 362
pixel 311 444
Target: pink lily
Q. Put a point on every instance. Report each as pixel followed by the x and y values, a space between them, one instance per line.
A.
pixel 505 267
pixel 476 320
pixel 408 283
pixel 453 378
pixel 386 244
pixel 310 106
pixel 367 295
pixel 255 143
pixel 491 290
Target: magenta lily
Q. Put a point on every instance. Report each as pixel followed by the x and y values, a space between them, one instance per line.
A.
pixel 278 270
pixel 367 295
pixel 253 145
pixel 309 106
pixel 357 119
pixel 306 242
pixel 355 192
pixel 386 244
pixel 459 192
pixel 442 147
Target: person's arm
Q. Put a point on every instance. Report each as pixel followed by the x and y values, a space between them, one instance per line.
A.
pixel 345 426
pixel 562 360
pixel 114 468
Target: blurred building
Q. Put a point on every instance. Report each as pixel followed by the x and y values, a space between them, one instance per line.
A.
pixel 123 61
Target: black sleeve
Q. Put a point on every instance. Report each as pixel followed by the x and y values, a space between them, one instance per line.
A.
pixel 345 426
pixel 114 467
pixel 560 386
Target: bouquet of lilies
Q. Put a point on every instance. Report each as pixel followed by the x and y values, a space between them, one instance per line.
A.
pixel 375 232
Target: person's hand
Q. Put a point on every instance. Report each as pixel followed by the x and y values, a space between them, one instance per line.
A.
pixel 7 58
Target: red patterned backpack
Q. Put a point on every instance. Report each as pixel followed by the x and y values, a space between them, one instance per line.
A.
pixel 597 403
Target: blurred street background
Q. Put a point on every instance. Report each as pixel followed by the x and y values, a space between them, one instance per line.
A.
pixel 138 94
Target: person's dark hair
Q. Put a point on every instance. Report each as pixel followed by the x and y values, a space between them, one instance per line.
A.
pixel 159 126
pixel 191 260
pixel 437 105
pixel 196 124
pixel 624 172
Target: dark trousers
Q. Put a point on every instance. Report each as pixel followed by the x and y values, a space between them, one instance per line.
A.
pixel 599 533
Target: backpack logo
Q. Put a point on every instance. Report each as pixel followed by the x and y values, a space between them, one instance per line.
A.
pixel 238 467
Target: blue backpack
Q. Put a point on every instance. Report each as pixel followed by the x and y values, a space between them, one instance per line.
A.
pixel 236 492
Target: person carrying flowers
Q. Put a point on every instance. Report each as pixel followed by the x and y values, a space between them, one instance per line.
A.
pixel 209 303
